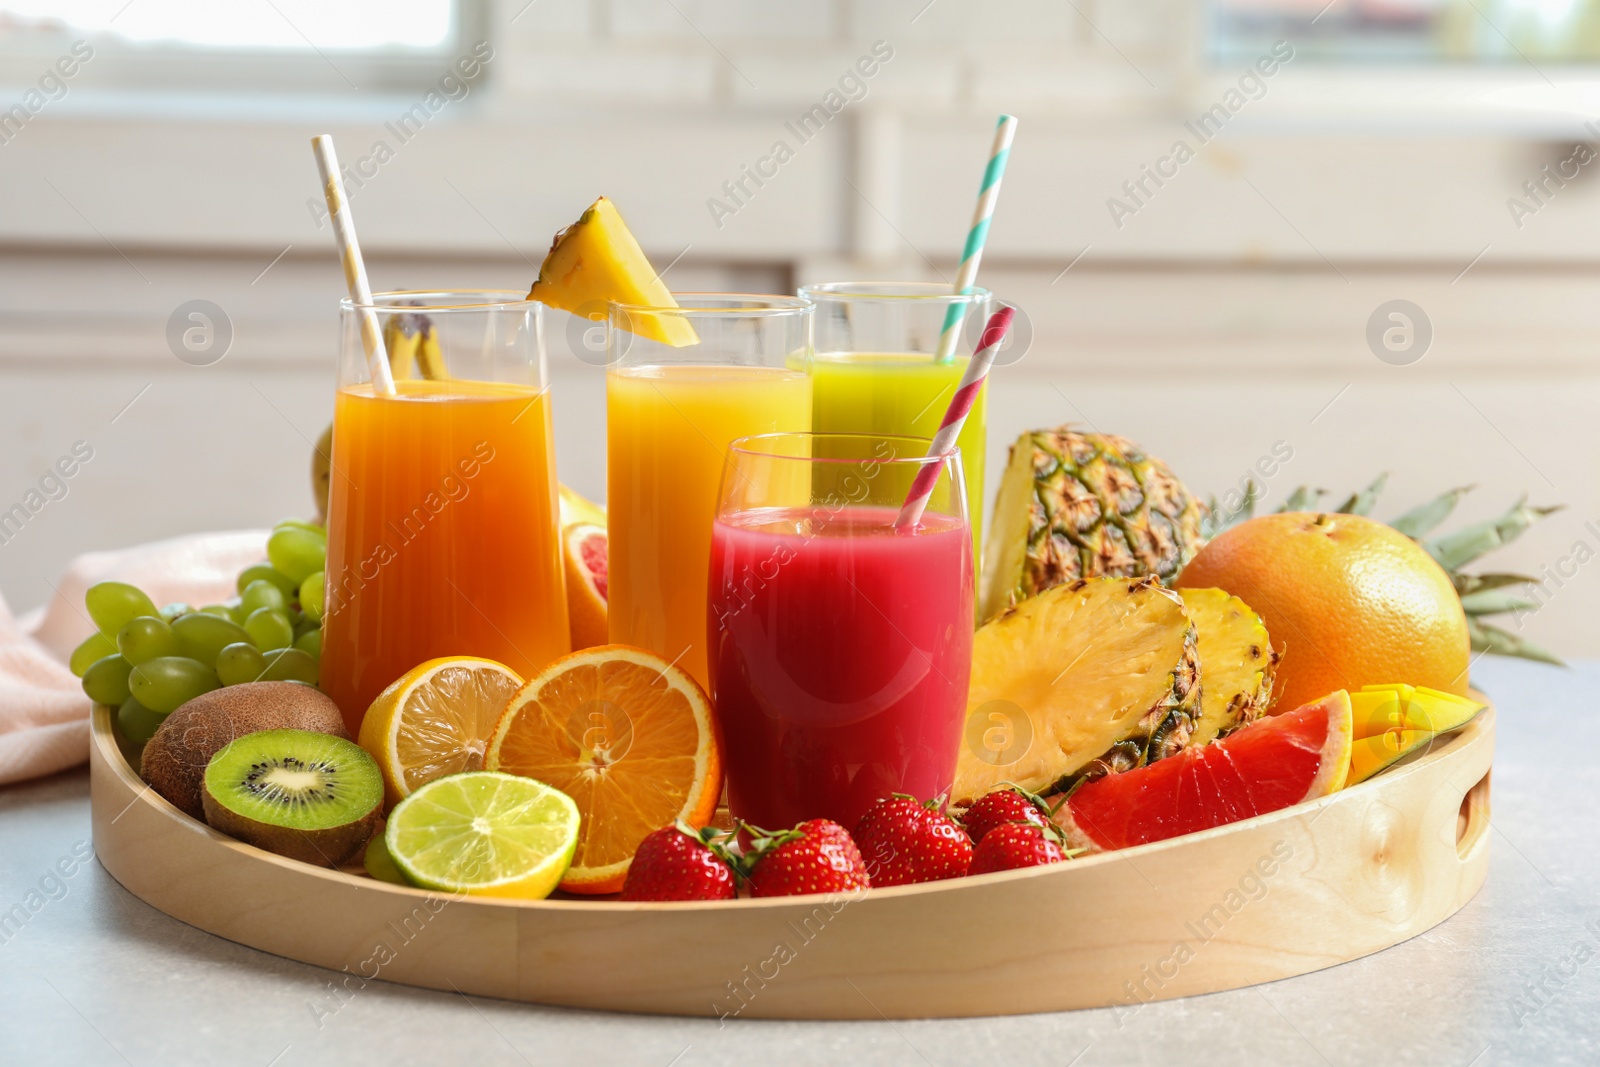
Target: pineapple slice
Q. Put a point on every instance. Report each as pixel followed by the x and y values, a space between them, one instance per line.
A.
pixel 1097 675
pixel 596 260
pixel 1083 505
pixel 1238 660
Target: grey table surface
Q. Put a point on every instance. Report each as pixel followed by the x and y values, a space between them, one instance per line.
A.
pixel 98 977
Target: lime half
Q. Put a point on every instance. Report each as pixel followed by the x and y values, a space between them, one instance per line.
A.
pixel 484 832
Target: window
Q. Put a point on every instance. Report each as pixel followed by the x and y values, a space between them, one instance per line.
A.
pixel 302 45
pixel 1481 32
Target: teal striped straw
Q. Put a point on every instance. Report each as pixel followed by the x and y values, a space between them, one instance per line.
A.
pixel 967 275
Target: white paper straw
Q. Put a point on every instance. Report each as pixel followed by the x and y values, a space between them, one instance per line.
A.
pixel 355 271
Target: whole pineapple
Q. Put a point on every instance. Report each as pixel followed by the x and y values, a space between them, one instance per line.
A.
pixel 1084 505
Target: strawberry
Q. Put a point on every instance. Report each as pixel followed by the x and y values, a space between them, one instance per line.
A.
pixel 1017 844
pixel 679 863
pixel 817 856
pixel 1007 804
pixel 904 842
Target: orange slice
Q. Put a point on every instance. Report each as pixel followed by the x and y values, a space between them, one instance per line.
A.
pixel 626 735
pixel 584 548
pixel 435 720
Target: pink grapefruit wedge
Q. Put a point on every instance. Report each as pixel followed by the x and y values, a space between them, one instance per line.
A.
pixel 584 547
pixel 1273 763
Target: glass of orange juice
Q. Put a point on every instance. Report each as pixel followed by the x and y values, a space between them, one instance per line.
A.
pixel 671 413
pixel 442 521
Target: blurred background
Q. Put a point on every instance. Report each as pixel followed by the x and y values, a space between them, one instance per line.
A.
pixel 1211 214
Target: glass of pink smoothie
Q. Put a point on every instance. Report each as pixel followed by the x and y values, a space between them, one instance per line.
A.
pixel 839 647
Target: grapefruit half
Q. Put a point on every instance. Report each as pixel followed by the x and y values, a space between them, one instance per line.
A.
pixel 1272 763
pixel 584 548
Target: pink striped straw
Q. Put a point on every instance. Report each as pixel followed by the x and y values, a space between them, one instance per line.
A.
pixel 944 442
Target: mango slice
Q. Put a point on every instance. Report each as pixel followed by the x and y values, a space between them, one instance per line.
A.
pixel 1369 755
pixel 1392 721
pixel 1403 707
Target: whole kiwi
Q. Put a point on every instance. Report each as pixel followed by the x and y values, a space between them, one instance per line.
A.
pixel 174 761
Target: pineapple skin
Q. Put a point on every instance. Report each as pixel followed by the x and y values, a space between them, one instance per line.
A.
pixel 1083 505
pixel 1240 662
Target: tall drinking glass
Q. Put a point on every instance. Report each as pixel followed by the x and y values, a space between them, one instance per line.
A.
pixel 442 521
pixel 671 412
pixel 840 647
pixel 875 370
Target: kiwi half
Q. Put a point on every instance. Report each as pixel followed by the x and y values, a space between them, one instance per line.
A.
pixel 309 796
pixel 174 762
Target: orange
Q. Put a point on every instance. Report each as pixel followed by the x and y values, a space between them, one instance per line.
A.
pixel 435 720
pixel 626 735
pixel 1349 601
pixel 583 546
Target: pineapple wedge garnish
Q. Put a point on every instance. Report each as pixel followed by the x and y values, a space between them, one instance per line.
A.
pixel 1100 674
pixel 1238 661
pixel 596 260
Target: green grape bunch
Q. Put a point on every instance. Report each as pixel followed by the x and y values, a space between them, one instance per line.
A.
pixel 147 661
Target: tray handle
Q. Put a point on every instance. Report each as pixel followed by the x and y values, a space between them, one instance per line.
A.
pixel 1472 820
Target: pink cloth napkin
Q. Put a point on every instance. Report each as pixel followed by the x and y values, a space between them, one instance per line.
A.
pixel 44 716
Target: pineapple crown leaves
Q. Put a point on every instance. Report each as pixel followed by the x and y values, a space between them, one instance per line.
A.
pixel 1489 638
pixel 1481 594
pixel 1456 550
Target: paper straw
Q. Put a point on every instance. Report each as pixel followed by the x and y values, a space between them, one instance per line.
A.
pixel 944 442
pixel 967 274
pixel 355 270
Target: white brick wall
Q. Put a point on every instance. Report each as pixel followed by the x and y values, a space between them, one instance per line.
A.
pixel 949 54
pixel 724 20
pixel 608 74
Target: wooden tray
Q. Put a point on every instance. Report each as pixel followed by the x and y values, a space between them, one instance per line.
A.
pixel 1272 897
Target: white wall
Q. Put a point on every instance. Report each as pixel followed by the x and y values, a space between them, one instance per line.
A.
pixel 1221 317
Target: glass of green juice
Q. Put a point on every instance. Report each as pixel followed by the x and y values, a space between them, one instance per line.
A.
pixel 875 371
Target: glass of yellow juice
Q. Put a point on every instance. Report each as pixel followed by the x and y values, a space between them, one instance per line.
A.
pixel 741 365
pixel 875 369
pixel 442 519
